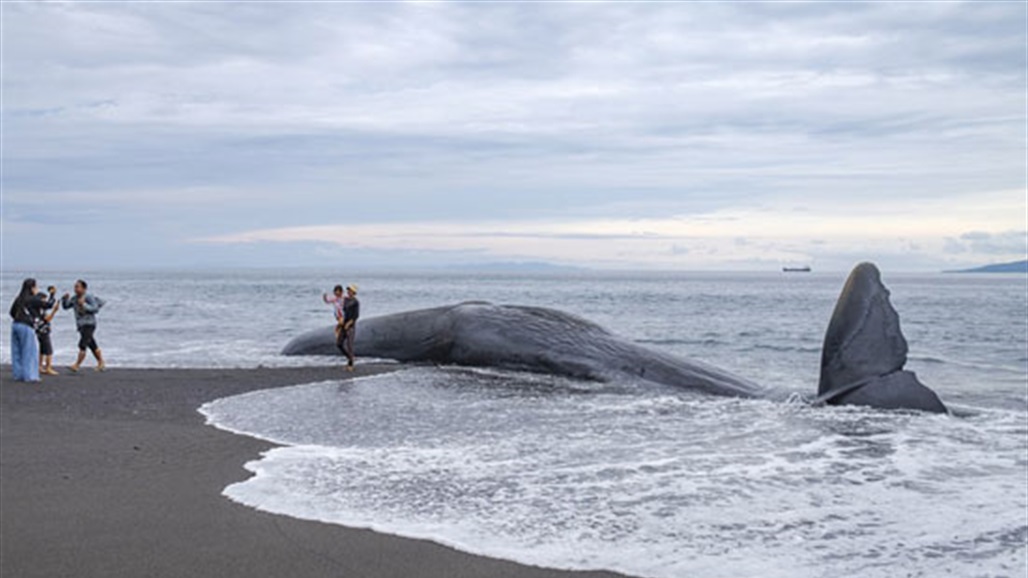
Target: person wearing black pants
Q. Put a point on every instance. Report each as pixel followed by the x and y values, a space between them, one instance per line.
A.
pixel 86 307
pixel 44 315
pixel 347 333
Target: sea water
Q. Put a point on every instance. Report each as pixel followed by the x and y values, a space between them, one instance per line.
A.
pixel 650 481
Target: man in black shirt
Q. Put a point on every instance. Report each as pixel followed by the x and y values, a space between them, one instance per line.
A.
pixel 347 333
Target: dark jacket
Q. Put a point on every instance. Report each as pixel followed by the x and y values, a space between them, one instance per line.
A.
pixel 26 310
pixel 351 310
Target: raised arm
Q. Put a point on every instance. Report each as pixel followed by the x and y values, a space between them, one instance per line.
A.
pixel 53 311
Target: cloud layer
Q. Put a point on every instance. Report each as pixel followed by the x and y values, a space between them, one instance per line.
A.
pixel 605 134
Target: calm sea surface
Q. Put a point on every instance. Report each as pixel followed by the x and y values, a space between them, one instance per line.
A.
pixel 653 482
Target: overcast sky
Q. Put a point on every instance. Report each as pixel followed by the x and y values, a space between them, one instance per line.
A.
pixel 615 135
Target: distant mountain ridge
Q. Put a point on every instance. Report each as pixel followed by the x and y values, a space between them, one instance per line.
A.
pixel 1014 267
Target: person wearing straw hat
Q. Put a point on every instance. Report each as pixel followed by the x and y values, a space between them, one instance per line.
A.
pixel 347 330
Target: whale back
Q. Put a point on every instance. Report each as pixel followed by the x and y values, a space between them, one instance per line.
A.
pixel 422 335
pixel 527 338
pixel 864 351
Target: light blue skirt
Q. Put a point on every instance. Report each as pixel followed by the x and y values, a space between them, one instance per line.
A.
pixel 24 353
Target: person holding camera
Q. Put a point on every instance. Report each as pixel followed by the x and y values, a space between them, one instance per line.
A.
pixel 86 307
pixel 44 315
pixel 24 349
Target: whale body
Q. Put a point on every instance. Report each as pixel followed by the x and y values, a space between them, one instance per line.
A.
pixel 863 356
pixel 524 339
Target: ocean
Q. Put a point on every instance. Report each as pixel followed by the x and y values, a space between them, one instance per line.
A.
pixel 652 482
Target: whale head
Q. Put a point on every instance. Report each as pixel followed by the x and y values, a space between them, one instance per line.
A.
pixel 864 351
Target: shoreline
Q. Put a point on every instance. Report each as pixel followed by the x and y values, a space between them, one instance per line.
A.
pixel 118 475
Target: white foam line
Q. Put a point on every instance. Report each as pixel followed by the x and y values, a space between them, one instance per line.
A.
pixel 206 409
pixel 432 536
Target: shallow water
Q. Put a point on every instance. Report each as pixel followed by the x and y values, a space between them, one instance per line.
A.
pixel 650 481
pixel 968 333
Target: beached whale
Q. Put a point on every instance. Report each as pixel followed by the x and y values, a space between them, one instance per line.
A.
pixel 863 356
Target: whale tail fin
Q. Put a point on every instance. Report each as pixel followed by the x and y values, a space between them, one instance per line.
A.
pixel 864 351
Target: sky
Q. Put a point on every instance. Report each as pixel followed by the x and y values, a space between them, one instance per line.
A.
pixel 681 136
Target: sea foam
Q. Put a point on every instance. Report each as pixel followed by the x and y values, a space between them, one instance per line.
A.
pixel 658 484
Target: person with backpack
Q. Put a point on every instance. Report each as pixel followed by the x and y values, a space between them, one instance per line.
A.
pixel 86 307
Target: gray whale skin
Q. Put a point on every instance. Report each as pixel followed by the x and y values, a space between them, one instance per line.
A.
pixel 862 358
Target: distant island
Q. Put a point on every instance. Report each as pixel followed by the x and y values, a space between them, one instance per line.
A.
pixel 1015 267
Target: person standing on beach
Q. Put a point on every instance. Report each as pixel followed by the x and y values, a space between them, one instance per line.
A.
pixel 24 351
pixel 86 307
pixel 43 315
pixel 346 331
pixel 336 301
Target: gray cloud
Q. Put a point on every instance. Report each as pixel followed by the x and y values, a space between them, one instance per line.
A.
pixel 314 113
pixel 952 246
pixel 980 242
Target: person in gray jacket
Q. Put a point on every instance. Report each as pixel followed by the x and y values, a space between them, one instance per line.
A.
pixel 86 307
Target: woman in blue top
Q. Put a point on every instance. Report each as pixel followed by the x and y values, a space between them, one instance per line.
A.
pixel 86 307
pixel 24 351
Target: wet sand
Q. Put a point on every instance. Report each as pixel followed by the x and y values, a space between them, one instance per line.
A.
pixel 116 475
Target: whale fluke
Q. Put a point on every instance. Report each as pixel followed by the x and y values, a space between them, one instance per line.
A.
pixel 864 351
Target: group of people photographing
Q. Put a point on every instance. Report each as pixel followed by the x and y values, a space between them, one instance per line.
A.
pixel 33 312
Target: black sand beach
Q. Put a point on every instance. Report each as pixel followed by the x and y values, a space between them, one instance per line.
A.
pixel 115 475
